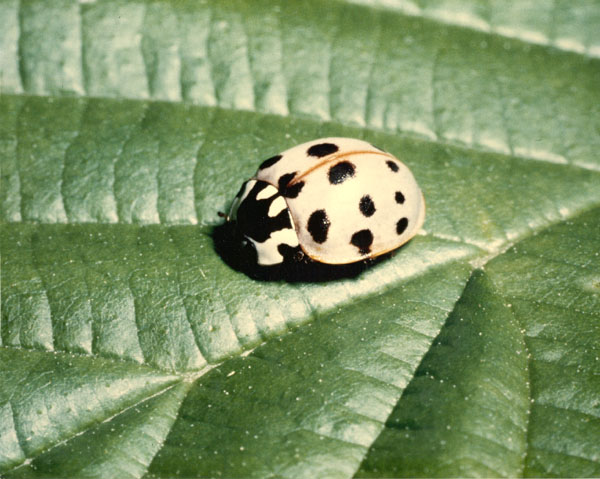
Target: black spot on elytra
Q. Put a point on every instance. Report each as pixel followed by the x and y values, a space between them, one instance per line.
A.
pixel 392 165
pixel 293 191
pixel 399 197
pixel 253 218
pixel 284 185
pixel 318 226
pixel 284 180
pixel 401 225
pixel 322 149
pixel 269 162
pixel 363 240
pixel 366 206
pixel 341 172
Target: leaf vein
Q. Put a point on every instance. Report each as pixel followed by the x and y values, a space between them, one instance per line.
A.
pixel 569 409
pixel 93 424
pixel 18 435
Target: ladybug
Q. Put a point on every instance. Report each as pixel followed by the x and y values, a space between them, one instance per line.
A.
pixel 333 200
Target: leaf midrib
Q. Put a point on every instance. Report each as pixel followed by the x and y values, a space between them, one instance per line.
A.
pixel 27 460
pixel 476 262
pixel 522 332
pixel 191 376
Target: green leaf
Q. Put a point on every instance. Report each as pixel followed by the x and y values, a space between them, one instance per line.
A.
pixel 48 398
pixel 511 385
pixel 129 348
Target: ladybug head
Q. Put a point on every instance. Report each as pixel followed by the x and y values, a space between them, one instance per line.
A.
pixel 263 223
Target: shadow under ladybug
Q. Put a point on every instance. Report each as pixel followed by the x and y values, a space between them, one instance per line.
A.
pixel 297 267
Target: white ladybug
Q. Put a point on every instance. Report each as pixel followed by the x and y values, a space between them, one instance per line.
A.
pixel 334 200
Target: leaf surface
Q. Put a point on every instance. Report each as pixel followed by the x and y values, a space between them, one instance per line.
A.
pixel 510 386
pixel 130 348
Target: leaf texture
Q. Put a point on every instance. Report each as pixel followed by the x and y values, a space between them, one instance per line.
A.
pixel 129 347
